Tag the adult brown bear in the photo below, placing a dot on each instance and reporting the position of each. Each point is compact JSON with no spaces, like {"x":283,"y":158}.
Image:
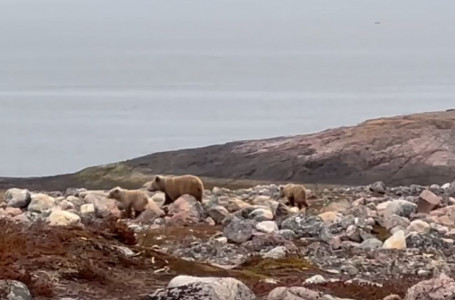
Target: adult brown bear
{"x":176,"y":186}
{"x":296,"y":194}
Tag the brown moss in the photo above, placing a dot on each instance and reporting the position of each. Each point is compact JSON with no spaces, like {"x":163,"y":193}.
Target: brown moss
{"x":363,"y":291}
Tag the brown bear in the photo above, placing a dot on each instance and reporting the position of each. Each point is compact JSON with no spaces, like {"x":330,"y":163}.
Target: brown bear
{"x":295,"y":193}
{"x":133,"y":201}
{"x":176,"y":186}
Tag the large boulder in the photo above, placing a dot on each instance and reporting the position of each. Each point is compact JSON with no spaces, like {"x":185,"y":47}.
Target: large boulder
{"x":238,"y":230}
{"x":41,"y":203}
{"x":267,"y":226}
{"x":419,"y":226}
{"x":440,"y":288}
{"x":261,"y":214}
{"x":378,"y":187}
{"x":266,"y":201}
{"x":186,"y":210}
{"x":370,"y":244}
{"x":298,"y":293}
{"x":303,"y":226}
{"x":427,"y":201}
{"x":396,"y":221}
{"x":199,"y":288}
{"x":60,"y":217}
{"x":104,"y":207}
{"x":18,"y":198}
{"x":396,"y":241}
{"x":236,"y":204}
{"x":424,"y":242}
{"x":218,"y":213}
{"x":401,"y":208}
{"x":14,"y":290}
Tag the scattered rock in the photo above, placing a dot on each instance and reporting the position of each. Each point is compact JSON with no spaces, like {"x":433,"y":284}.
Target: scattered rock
{"x":88,"y":211}
{"x":66,"y":205}
{"x":347,"y":221}
{"x":287,"y":234}
{"x":293,"y":293}
{"x":186,"y":209}
{"x":267,"y":226}
{"x":104,"y":207}
{"x":395,"y":221}
{"x":396,"y":241}
{"x":276,"y":253}
{"x":60,"y":217}
{"x":41,"y":203}
{"x":12,"y":211}
{"x":303,"y":226}
{"x":316,"y":279}
{"x":337,"y":206}
{"x":238,"y":230}
{"x":22,"y":218}
{"x":424,"y":241}
{"x":353,"y":233}
{"x":445,"y":186}
{"x":401,"y":208}
{"x":14,"y":290}
{"x":261,"y":214}
{"x":419,"y":226}
{"x":371,"y":244}
{"x":218,"y":213}
{"x":440,"y":288}
{"x":266,"y":201}
{"x":329,"y":217}
{"x":199,"y":288}
{"x":378,"y":187}
{"x":236,"y":204}
{"x":427,"y":201}
{"x":17,"y":198}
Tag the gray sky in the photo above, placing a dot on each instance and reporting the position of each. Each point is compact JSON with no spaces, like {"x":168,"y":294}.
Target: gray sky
{"x":230,"y":44}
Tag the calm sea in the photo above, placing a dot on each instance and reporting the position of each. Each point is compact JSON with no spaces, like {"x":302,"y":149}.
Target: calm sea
{"x":86,"y":82}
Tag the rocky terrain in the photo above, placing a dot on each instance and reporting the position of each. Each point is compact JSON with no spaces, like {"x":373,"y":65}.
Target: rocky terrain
{"x":400,"y":150}
{"x":361,"y":242}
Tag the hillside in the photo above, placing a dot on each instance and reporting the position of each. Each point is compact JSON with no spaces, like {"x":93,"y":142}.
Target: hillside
{"x":401,"y":150}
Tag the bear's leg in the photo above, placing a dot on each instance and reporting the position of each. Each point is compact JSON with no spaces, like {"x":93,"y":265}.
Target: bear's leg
{"x":128,"y":210}
{"x":291,"y":201}
{"x":137,"y":213}
{"x":167,"y":199}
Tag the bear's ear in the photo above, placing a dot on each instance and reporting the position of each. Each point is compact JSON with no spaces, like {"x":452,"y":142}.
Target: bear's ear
{"x":157,"y":179}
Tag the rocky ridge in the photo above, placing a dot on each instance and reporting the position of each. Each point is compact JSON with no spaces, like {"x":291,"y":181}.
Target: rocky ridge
{"x":400,"y":150}
{"x":352,"y":243}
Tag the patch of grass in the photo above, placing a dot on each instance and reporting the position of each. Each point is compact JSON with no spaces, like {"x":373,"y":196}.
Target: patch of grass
{"x":276,"y":267}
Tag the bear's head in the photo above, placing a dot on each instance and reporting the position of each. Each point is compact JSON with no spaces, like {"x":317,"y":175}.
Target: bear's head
{"x":114,"y":193}
{"x":156,"y":185}
{"x":281,"y":191}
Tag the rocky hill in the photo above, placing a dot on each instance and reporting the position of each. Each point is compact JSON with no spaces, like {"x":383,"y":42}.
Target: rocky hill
{"x":401,"y":150}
